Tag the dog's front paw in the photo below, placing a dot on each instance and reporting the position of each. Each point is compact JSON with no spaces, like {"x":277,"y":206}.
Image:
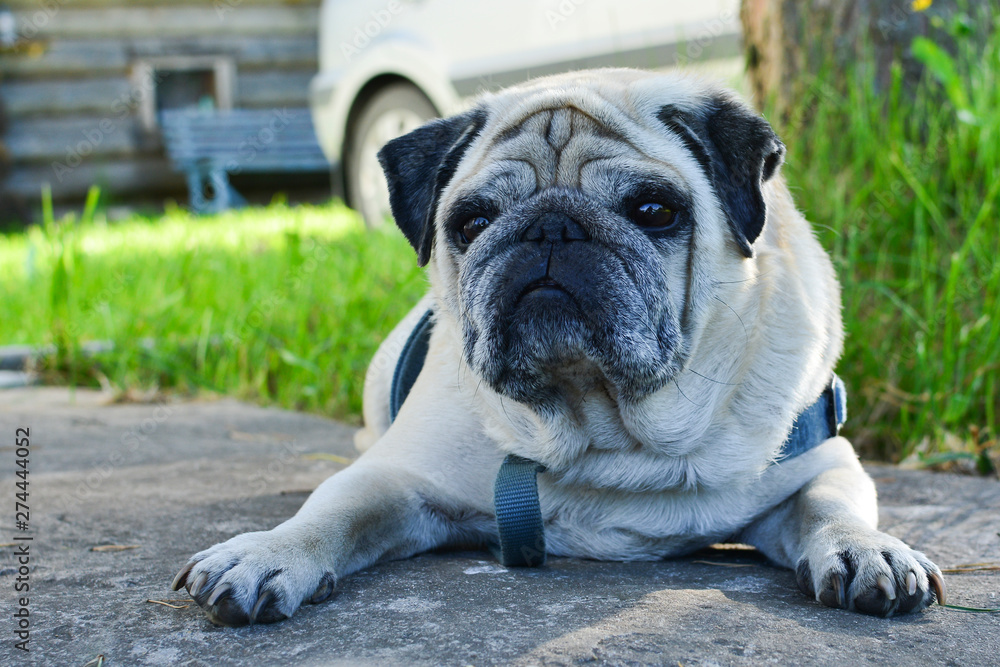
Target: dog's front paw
{"x":868,"y":571}
{"x":257,"y":577}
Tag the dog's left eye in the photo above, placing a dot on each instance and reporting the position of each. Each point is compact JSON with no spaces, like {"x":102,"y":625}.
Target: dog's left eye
{"x":654,"y":217}
{"x":473,"y":228}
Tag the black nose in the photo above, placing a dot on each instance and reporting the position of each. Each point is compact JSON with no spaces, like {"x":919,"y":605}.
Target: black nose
{"x":552,"y":226}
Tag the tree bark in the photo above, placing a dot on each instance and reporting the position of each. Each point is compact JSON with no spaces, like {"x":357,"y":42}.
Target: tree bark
{"x":786,"y":41}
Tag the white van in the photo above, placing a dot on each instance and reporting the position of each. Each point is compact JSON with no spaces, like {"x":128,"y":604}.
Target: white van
{"x":387,"y":66}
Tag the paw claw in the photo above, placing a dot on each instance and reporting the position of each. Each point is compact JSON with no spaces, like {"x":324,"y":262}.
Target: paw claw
{"x":227,"y":612}
{"x":220,"y":590}
{"x":937,"y":583}
{"x":195,"y":587}
{"x":872,"y":573}
{"x":266,"y":609}
{"x":324,"y":590}
{"x":264,"y":598}
{"x":182,"y":576}
{"x":260,"y":577}
{"x":885,"y":584}
{"x":803,"y":577}
{"x":834,"y":595}
{"x":876,"y":600}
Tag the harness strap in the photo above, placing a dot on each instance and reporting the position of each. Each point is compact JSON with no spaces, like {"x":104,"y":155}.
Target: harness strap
{"x":519,"y":515}
{"x":819,"y":421}
{"x":411,"y":360}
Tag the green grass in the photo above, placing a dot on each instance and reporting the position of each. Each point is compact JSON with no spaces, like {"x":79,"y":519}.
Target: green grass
{"x":281,"y":305}
{"x":286,"y":305}
{"x":905,"y":193}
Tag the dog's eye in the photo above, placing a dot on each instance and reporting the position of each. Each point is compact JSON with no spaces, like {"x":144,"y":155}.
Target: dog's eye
{"x":654,"y":217}
{"x":473,"y":228}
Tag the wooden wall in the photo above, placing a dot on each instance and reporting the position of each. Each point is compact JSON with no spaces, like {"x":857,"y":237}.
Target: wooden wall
{"x":73,"y":100}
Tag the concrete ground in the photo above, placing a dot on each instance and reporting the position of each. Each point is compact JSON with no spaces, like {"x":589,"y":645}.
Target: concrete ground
{"x":169,"y":480}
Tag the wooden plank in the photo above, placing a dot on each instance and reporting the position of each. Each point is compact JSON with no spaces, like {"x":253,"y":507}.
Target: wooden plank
{"x":97,"y":57}
{"x":106,"y":57}
{"x":90,"y":4}
{"x":120,"y":176}
{"x":73,"y":139}
{"x":43,"y":97}
{"x":299,"y":52}
{"x":273,"y":89}
{"x":170,"y":20}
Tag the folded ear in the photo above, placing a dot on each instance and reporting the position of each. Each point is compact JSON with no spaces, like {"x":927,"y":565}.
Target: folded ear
{"x":739,"y":152}
{"x":418,"y":166}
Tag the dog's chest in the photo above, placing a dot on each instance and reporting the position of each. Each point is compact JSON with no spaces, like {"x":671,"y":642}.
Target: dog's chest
{"x":610,"y":524}
{"x":620,"y":493}
{"x":630,"y":451}
{"x":631,"y":503}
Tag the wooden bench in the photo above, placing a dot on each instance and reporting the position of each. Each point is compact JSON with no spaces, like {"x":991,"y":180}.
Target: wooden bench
{"x":209,"y":146}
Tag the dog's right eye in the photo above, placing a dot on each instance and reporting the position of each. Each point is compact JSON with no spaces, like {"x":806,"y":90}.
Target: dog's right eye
{"x":654,"y":217}
{"x":472,"y":228}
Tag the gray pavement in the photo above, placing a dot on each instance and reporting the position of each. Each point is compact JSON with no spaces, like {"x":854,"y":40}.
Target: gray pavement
{"x":171,"y":479}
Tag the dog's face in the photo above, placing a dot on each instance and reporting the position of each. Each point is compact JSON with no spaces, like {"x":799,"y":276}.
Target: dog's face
{"x":578,"y":224}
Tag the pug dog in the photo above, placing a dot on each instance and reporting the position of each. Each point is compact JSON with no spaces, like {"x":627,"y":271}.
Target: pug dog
{"x":624,"y":297}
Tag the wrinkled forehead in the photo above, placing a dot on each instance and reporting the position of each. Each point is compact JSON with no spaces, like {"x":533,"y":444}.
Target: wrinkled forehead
{"x":544,"y":137}
{"x":552,"y":147}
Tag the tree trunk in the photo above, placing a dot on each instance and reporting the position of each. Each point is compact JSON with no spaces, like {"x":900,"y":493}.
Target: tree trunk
{"x":786,"y":41}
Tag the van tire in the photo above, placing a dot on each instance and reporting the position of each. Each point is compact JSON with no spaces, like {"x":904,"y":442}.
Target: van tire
{"x":390,"y":112}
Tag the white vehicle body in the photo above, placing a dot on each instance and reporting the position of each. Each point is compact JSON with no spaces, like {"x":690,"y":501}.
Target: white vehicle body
{"x":450,"y":50}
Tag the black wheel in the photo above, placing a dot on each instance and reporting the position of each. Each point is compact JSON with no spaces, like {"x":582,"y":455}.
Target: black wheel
{"x":392,"y":111}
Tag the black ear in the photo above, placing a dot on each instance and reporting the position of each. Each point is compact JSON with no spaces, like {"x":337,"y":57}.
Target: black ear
{"x":418,"y":166}
{"x":739,"y":152}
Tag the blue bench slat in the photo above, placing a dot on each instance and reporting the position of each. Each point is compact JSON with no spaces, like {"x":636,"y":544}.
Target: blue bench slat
{"x":207,"y":145}
{"x":236,"y":157}
{"x":249,"y":154}
{"x":260,"y":165}
{"x":240,"y":132}
{"x":224,"y":143}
